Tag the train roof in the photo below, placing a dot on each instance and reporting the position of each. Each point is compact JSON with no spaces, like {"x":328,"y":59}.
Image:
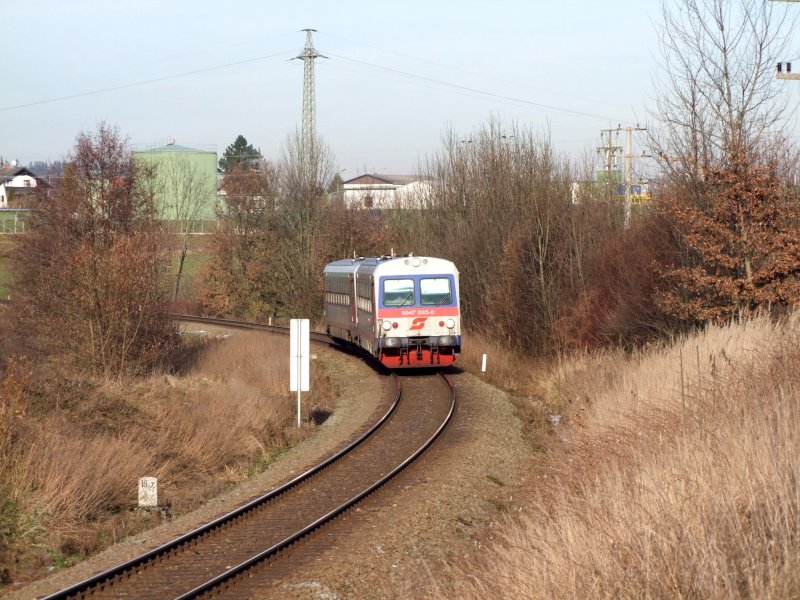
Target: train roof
{"x":391,"y":264}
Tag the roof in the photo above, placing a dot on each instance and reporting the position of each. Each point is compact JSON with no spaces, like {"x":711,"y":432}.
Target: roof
{"x":376,"y":178}
{"x":399,"y":264}
{"x":8,"y":173}
{"x":174,"y":148}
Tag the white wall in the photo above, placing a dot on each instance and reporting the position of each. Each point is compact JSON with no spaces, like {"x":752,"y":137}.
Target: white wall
{"x":22,"y":181}
{"x":384,"y":195}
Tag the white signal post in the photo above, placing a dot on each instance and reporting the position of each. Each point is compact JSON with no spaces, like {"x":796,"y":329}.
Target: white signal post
{"x":299,"y":351}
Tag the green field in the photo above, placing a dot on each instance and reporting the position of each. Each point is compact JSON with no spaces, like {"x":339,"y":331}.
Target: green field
{"x":5,"y":266}
{"x":194,"y":259}
{"x":12,"y":221}
{"x":5,"y":279}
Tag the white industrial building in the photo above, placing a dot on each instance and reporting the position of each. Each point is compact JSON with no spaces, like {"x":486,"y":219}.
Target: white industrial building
{"x":384,"y":191}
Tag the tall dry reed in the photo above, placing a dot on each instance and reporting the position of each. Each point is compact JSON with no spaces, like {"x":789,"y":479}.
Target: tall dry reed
{"x":503,"y":366}
{"x":679,"y":477}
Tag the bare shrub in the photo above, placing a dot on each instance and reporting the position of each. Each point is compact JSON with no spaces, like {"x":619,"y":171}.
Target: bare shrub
{"x":622,"y":277}
{"x":238,"y":279}
{"x":278,"y":231}
{"x":501,"y":209}
{"x":13,"y":403}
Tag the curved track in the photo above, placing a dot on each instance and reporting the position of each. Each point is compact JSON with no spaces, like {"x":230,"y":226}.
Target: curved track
{"x":235,"y":550}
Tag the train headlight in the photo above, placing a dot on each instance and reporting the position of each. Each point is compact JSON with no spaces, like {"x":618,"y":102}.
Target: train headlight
{"x":450,"y":323}
{"x":386,"y":325}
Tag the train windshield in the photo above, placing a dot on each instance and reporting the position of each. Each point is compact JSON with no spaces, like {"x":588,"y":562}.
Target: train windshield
{"x":398,"y":292}
{"x":435,"y":291}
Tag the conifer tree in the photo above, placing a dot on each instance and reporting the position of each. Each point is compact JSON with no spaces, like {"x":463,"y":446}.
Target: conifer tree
{"x":240,"y":152}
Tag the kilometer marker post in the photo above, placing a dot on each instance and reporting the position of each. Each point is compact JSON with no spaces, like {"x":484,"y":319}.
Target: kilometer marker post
{"x":299,"y":352}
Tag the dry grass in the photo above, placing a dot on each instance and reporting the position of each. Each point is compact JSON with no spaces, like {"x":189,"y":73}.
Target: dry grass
{"x":71,"y":471}
{"x":503,"y":366}
{"x":678,"y":477}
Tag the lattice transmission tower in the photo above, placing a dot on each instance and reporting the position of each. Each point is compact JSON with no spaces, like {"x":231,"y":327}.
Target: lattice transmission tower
{"x":308,"y":130}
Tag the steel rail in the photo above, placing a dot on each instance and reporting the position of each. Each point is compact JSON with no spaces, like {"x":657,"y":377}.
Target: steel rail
{"x":228,"y":575}
{"x":107,"y":575}
{"x":316,"y":336}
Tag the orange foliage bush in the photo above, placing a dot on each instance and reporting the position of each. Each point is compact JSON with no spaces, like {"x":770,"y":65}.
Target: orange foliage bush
{"x":740,"y":238}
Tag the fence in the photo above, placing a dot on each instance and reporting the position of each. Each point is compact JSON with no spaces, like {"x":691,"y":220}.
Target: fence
{"x":12,"y":220}
{"x":190,"y":227}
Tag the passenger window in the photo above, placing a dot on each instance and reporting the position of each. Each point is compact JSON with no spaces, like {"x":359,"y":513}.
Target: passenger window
{"x":398,"y":292}
{"x":435,"y":291}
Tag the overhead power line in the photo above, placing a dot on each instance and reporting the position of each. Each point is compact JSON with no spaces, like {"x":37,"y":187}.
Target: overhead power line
{"x":145,"y":82}
{"x":479,"y":91}
{"x":470,"y":72}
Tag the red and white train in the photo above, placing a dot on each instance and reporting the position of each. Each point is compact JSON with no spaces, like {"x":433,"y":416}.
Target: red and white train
{"x":404,"y":310}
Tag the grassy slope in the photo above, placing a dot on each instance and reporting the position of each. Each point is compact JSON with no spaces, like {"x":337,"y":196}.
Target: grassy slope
{"x":194,"y":259}
{"x":65,"y":493}
{"x":677,"y":474}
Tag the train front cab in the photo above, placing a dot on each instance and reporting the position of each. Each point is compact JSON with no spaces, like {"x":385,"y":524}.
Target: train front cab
{"x":418,"y":320}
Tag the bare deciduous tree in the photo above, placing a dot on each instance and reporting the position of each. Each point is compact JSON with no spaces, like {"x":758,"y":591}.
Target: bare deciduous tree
{"x":87,"y":276}
{"x":716,"y":94}
{"x":501,"y":208}
{"x":303,"y":201}
{"x":238,"y":276}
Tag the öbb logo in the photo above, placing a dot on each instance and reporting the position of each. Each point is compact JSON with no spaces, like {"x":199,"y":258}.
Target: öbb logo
{"x":418,"y":323}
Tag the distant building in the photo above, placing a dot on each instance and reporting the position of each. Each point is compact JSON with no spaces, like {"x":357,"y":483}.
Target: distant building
{"x":17,"y":186}
{"x":384,"y":191}
{"x":202,"y":164}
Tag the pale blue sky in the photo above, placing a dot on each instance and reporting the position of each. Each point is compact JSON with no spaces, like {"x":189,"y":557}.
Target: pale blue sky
{"x":397,"y":75}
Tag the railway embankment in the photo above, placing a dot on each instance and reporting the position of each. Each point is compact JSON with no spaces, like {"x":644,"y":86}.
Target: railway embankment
{"x":432,"y":514}
{"x":675,"y":475}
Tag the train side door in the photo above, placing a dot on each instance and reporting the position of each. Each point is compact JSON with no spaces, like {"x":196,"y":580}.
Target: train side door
{"x":354,"y":301}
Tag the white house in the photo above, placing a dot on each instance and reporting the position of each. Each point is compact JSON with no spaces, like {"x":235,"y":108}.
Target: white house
{"x":16,"y":185}
{"x":384,"y":191}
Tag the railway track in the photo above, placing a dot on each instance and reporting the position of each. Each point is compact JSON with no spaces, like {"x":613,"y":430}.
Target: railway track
{"x":240,"y":552}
